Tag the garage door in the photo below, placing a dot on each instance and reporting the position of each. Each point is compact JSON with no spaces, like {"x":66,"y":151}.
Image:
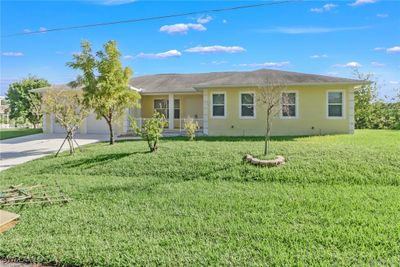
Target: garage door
{"x":58,"y":128}
{"x":95,"y":126}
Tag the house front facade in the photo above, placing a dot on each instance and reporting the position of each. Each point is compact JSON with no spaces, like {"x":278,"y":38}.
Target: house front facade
{"x":226,"y":104}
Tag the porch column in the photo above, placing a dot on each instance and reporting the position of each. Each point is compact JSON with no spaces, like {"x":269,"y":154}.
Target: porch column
{"x":171,"y":111}
{"x":52,"y":123}
{"x":205,"y":111}
{"x":44,"y":124}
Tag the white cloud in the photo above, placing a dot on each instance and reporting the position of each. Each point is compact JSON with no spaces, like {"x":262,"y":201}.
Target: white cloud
{"x":182,"y":28}
{"x":216,"y":49}
{"x":167,"y":54}
{"x":352,"y":64}
{"x":394,"y":82}
{"x":117,"y":2}
{"x":224,"y":21}
{"x":379,"y":48}
{"x":128,"y":57}
{"x":377,"y":64}
{"x":204,"y":19}
{"x":382,"y":16}
{"x":219,"y":62}
{"x":310,"y":29}
{"x":395,"y":49}
{"x":12,"y":54}
{"x":319,"y":56}
{"x":324,"y":8}
{"x":43,"y":29}
{"x":331,"y":73}
{"x":362,"y":2}
{"x":266,"y":64}
{"x":27,"y":31}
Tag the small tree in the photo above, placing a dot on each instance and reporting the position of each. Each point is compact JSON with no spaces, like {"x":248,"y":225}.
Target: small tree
{"x":364,"y":98}
{"x":191,"y":127}
{"x":24,"y":103}
{"x":105,"y":83}
{"x":152,"y":130}
{"x":69,"y":112}
{"x":269,"y":96}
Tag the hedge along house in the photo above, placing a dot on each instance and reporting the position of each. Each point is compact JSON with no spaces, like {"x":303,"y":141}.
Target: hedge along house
{"x":225,"y":103}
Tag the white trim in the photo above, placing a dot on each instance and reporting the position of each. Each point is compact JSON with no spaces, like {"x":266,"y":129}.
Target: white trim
{"x":212,"y":104}
{"x":205,"y":111}
{"x":171,"y":110}
{"x":240,"y":105}
{"x":296,"y":92}
{"x":343,"y":104}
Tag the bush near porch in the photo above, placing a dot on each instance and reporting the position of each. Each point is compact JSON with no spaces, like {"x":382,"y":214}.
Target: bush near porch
{"x":336,"y":201}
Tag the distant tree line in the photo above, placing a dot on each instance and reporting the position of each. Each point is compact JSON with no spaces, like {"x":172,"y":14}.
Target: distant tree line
{"x":372,"y":112}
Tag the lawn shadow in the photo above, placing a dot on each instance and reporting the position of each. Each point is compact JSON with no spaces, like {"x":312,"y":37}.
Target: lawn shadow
{"x":99,"y":159}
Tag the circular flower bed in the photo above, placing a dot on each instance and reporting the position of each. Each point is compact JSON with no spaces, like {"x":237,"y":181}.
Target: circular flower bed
{"x":279,"y":160}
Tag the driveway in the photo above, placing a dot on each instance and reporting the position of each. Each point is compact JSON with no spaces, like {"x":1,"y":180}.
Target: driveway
{"x":22,"y":149}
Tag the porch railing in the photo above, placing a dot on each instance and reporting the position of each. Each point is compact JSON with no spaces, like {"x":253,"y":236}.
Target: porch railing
{"x":179,"y":124}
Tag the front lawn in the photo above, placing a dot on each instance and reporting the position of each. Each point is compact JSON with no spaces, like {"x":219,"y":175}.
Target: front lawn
{"x":336,"y":202}
{"x":8,"y":133}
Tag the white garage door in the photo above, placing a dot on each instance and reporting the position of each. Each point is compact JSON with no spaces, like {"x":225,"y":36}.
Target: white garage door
{"x":58,"y":128}
{"x":95,"y":126}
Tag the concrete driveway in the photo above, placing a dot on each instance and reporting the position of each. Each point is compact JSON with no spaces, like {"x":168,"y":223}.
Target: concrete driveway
{"x":22,"y":149}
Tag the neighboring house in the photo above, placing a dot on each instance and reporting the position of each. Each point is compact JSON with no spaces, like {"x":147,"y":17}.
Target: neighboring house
{"x":224,"y":103}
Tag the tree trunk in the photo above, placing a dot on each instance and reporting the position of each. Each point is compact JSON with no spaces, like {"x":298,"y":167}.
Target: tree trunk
{"x":267,"y":135}
{"x":111,"y":132}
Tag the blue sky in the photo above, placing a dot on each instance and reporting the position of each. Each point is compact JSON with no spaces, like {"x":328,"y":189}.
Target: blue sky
{"x":321,"y":37}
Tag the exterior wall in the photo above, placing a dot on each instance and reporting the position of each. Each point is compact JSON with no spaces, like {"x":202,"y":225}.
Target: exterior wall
{"x":312,"y":117}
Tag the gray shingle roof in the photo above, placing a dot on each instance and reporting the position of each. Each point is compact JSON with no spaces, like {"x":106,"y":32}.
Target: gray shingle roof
{"x":163,"y":83}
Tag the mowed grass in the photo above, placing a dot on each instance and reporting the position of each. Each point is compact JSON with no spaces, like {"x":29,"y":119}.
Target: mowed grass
{"x":8,"y":133}
{"x":336,"y":202}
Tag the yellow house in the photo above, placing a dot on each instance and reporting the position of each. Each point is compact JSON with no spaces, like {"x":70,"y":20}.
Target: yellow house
{"x":226,"y":103}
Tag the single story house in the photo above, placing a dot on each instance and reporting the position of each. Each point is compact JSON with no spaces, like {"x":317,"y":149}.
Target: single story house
{"x":225,"y":103}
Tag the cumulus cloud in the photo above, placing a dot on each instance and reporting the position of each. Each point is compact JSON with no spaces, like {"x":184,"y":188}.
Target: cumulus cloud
{"x":266,"y":64}
{"x":204,"y":19}
{"x":27,"y":31}
{"x":392,"y":50}
{"x":324,"y":8}
{"x":167,"y":54}
{"x":319,"y":56}
{"x":12,"y":54}
{"x":43,"y":29}
{"x":362,"y":2}
{"x":216,"y":49}
{"x":310,"y":29}
{"x":377,"y":64}
{"x":182,"y":28}
{"x":379,"y":48}
{"x":352,"y":64}
{"x":219,"y":62}
{"x":128,"y":57}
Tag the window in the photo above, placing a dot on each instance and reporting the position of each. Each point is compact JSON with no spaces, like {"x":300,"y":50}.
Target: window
{"x":335,"y":104}
{"x":289,"y":100}
{"x":218,"y":105}
{"x":177,"y":108}
{"x":247,"y":108}
{"x":161,"y":106}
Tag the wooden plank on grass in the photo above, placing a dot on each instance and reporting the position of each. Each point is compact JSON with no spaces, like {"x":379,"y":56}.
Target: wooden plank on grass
{"x":7,"y":220}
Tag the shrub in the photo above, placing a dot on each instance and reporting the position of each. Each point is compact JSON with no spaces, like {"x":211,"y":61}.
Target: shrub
{"x":191,"y":127}
{"x":152,"y":130}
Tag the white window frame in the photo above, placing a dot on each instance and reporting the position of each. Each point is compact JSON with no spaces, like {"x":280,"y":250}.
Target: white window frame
{"x":212,"y":105}
{"x":296,"y":105}
{"x":343,"y":105}
{"x":167,"y":108}
{"x":240,"y":104}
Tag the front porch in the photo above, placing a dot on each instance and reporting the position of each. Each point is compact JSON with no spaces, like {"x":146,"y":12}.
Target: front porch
{"x":177,"y":109}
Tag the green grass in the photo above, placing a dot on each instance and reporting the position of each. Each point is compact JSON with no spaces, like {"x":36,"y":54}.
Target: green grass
{"x":336,"y":202}
{"x":16,"y":132}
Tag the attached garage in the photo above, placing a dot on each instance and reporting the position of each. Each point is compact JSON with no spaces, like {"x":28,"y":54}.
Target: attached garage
{"x":95,"y":126}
